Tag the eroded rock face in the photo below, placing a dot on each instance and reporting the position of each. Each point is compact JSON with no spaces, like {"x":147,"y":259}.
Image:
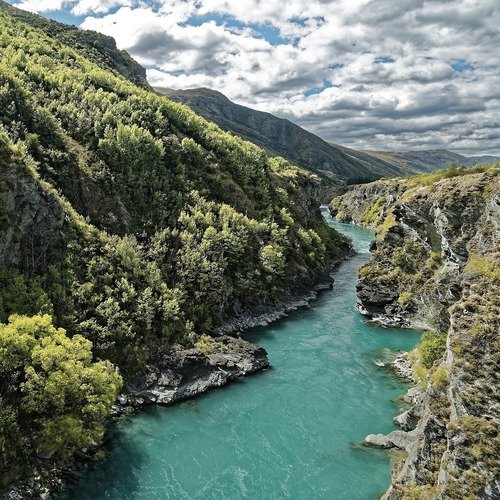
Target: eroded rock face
{"x":435,"y":266}
{"x":357,"y":204}
{"x":184,"y":373}
{"x":31,"y":219}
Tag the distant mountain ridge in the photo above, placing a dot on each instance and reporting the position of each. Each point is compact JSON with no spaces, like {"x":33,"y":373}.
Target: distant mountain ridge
{"x":428,"y":160}
{"x":284,"y":138}
{"x":280,"y":137}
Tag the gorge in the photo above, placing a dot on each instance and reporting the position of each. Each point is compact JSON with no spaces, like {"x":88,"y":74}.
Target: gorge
{"x":149,"y":254}
{"x":293,"y":431}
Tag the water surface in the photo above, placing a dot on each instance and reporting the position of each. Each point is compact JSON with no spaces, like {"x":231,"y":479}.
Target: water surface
{"x":290,"y":432}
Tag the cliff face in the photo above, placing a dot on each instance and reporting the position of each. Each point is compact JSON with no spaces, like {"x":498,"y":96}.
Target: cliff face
{"x":435,"y":266}
{"x":31,"y":219}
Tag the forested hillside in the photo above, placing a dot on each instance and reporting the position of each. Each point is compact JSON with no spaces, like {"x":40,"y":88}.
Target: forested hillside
{"x":93,"y":45}
{"x":278,"y":136}
{"x":131,"y":223}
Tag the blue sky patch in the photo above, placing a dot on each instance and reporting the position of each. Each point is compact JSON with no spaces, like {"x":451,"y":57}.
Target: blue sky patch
{"x":266,"y":31}
{"x":65,"y":17}
{"x":335,"y":66}
{"x":317,"y":90}
{"x":384,"y":59}
{"x":301,"y":21}
{"x":461,"y":65}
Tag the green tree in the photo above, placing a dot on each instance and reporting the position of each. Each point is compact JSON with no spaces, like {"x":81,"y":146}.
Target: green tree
{"x":63,"y":395}
{"x":20,"y":296}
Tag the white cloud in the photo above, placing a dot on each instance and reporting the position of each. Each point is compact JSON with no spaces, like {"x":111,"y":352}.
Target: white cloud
{"x":83,"y":7}
{"x":41,"y":5}
{"x":390,"y":62}
{"x":77,"y":7}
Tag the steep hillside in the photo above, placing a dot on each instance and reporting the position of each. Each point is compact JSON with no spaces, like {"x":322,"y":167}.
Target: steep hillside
{"x":93,"y":45}
{"x":128,"y":224}
{"x":435,"y":266}
{"x":283,"y":138}
{"x":277,"y":136}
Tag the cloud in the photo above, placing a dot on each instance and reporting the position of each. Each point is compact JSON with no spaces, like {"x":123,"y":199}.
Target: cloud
{"x":406,"y":74}
{"x":77,"y":7}
{"x":41,"y":5}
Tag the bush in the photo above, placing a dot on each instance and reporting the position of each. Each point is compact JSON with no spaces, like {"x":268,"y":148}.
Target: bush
{"x":372,"y":213}
{"x":405,"y":298}
{"x":204,"y":344}
{"x":432,"y":347}
{"x":54,"y":398}
{"x":19,"y":295}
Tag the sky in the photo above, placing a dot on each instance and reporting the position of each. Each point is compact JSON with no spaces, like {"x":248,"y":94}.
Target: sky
{"x":369,"y":74}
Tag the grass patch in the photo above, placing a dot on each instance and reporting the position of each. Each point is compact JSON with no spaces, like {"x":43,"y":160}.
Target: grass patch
{"x":483,"y":265}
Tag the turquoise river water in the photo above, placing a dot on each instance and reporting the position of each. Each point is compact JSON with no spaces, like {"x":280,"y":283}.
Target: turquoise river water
{"x":291,"y":432}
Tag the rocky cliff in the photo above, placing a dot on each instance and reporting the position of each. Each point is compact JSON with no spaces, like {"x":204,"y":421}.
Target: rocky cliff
{"x":31,"y":218}
{"x":435,"y":266}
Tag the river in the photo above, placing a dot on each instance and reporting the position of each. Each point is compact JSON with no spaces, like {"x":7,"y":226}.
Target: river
{"x":291,"y":432}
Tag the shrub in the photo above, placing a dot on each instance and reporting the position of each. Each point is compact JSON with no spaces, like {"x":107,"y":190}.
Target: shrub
{"x":432,"y":347}
{"x":440,"y":376}
{"x":19,"y":295}
{"x":54,"y":398}
{"x":371,"y":214}
{"x":404,"y":298}
{"x":387,"y":224}
{"x":205,"y":344}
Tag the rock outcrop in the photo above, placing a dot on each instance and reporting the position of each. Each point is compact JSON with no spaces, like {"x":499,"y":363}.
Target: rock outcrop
{"x":182,"y":373}
{"x":31,"y":218}
{"x":435,"y":266}
{"x":366,"y":204}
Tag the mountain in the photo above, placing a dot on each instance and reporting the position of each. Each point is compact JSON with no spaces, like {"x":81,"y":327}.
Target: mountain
{"x":484,"y":159}
{"x":276,"y":135}
{"x":382,"y":166}
{"x":130,"y":229}
{"x":284,"y":138}
{"x":427,"y":160}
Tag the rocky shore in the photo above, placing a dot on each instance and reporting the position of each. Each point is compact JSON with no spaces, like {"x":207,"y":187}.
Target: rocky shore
{"x":178,"y":374}
{"x":434,"y":266}
{"x":182,"y":373}
{"x":306,"y":289}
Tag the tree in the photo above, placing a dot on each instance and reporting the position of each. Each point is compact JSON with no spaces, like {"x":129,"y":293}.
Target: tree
{"x":62,"y":395}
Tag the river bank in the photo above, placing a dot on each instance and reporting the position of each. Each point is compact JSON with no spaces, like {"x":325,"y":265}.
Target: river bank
{"x":306,"y":417}
{"x":435,"y":265}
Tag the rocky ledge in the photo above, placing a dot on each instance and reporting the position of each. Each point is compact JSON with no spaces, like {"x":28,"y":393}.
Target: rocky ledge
{"x":435,"y":266}
{"x":183,"y":373}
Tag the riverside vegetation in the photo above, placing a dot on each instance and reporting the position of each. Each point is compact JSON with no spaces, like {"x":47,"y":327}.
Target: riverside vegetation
{"x":435,"y":266}
{"x":128,"y":224}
